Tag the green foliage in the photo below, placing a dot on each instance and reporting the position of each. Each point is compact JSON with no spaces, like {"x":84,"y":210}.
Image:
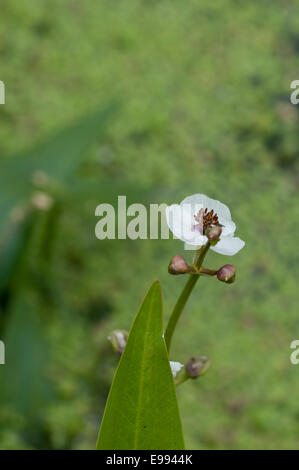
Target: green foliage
{"x":58,"y":158}
{"x":205,"y":92}
{"x":24,"y":384}
{"x":13,"y":248}
{"x":26,"y":286}
{"x":142,"y":411}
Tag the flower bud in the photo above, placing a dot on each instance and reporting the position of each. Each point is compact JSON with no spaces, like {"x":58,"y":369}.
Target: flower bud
{"x":178,"y":265}
{"x":213,"y":233}
{"x":197,"y":366}
{"x":193,"y":369}
{"x":227,"y":273}
{"x":118,"y":339}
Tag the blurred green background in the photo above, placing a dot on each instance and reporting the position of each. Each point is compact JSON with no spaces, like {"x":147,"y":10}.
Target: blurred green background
{"x":180,"y":97}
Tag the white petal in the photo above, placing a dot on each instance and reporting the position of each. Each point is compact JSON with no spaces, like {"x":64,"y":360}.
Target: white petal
{"x":196,"y":201}
{"x":180,"y":220}
{"x":196,"y":240}
{"x":188,"y":246}
{"x":221,"y":209}
{"x":175,"y":367}
{"x":228,"y":246}
{"x":218,"y":207}
{"x":228,"y":227}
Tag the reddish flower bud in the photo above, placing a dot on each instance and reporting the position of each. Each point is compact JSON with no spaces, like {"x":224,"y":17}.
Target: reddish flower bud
{"x":213,"y":233}
{"x":197,"y":366}
{"x":178,"y":265}
{"x":227,"y":273}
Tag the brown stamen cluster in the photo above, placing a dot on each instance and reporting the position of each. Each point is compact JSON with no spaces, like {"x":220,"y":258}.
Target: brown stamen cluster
{"x":205,"y":220}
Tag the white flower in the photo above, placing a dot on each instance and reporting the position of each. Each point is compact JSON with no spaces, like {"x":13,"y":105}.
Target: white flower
{"x":175,"y":368}
{"x":189,"y":220}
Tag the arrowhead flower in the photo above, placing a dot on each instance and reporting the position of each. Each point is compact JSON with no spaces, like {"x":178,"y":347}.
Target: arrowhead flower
{"x":190,"y":220}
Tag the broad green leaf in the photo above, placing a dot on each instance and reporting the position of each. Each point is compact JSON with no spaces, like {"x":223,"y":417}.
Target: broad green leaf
{"x":23,"y":380}
{"x":142,"y":411}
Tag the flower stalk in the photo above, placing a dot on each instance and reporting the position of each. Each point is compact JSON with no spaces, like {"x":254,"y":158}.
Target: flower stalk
{"x":182,"y":300}
{"x":208,"y":272}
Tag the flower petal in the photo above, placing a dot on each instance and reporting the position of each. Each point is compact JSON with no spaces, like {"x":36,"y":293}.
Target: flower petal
{"x":175,"y":367}
{"x":228,"y":227}
{"x":180,"y":219}
{"x":228,"y":246}
{"x":181,"y":222}
{"x":196,"y":201}
{"x":221,"y":209}
{"x":218,"y":207}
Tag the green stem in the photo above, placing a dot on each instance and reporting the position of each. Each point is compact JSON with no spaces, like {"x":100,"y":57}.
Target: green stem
{"x":208,"y":272}
{"x":182,"y":300}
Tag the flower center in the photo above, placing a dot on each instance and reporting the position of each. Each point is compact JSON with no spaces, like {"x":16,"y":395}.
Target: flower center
{"x":205,"y":219}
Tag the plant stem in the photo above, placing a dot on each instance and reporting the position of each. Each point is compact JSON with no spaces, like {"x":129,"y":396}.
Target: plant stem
{"x":182,"y":300}
{"x":208,"y":272}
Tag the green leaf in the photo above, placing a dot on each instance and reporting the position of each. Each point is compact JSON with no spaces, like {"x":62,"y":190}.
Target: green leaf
{"x":24,"y":384}
{"x":142,"y":411}
{"x":59,"y":157}
{"x":13,"y":247}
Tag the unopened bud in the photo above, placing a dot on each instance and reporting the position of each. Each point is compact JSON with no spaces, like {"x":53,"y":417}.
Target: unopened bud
{"x":197,"y":366}
{"x":118,"y":339}
{"x":213,"y":233}
{"x":194,"y":368}
{"x":227,"y":273}
{"x":178,"y":265}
